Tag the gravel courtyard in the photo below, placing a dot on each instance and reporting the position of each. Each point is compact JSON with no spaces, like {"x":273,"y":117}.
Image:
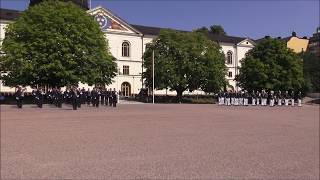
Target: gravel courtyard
{"x":146,"y":141}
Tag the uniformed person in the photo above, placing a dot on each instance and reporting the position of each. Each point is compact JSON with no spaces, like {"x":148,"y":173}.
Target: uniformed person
{"x":19,"y":94}
{"x":73,"y":96}
{"x":114,"y":98}
{"x":245,"y":98}
{"x":59,"y":98}
{"x":292,"y":98}
{"x":271,"y":98}
{"x":110,"y":97}
{"x":254,"y":98}
{"x":95,"y":97}
{"x":107,"y":94}
{"x":219,"y":98}
{"x":79,"y":93}
{"x":264,"y":97}
{"x":299,"y":97}
{"x":102,"y":95}
{"x":286,"y":98}
{"x":258,"y":98}
{"x":39,"y":97}
{"x":88,"y":97}
{"x":241,"y":98}
{"x":279,"y":98}
{"x":83,"y":96}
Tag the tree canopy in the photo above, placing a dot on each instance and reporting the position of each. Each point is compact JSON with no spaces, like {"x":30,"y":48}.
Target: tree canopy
{"x":217,"y":29}
{"x":185,"y":61}
{"x":271,"y":65}
{"x":311,"y":70}
{"x":57,"y":44}
{"x":214,"y":29}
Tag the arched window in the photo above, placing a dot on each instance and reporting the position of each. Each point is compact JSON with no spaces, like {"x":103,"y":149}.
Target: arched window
{"x":126,"y":89}
{"x":125,"y":49}
{"x":229,"y":57}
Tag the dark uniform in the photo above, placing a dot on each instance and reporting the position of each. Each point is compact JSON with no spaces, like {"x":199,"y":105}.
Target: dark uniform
{"x":88,"y":97}
{"x":95,"y":98}
{"x":73,"y":96}
{"x":39,"y":97}
{"x":19,"y":97}
{"x":299,"y":97}
{"x":103,"y":96}
{"x":110,"y":98}
{"x":254,"y":98}
{"x":114,"y":98}
{"x":59,"y":98}
{"x":79,"y":94}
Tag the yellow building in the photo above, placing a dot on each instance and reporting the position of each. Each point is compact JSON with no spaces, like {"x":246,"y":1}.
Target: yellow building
{"x":297,"y":44}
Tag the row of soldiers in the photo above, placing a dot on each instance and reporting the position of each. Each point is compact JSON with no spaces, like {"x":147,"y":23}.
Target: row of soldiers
{"x":263,"y":98}
{"x":74,"y":96}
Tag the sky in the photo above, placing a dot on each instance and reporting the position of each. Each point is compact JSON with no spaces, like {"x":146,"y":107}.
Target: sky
{"x":246,"y":18}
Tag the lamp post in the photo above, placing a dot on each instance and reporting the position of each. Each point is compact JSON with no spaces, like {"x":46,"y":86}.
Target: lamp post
{"x":133,"y":84}
{"x":118,"y":83}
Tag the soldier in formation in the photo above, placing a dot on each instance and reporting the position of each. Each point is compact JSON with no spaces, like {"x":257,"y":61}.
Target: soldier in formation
{"x":256,"y":98}
{"x":19,"y":94}
{"x":73,"y":96}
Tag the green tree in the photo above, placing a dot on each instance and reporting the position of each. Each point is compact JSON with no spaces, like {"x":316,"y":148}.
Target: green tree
{"x":271,"y":65}
{"x":57,"y":44}
{"x":185,"y":61}
{"x":203,"y":29}
{"x":311,"y":70}
{"x":217,"y":29}
{"x":214,"y":29}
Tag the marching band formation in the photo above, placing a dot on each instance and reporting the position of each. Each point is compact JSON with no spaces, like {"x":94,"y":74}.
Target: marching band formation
{"x":74,"y":96}
{"x":77,"y":97}
{"x":256,"y":98}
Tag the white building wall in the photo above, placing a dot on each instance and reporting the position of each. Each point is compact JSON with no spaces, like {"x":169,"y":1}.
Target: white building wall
{"x":134,"y":61}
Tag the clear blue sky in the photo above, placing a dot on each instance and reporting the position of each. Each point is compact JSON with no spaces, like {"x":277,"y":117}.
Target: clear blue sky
{"x":250,"y":18}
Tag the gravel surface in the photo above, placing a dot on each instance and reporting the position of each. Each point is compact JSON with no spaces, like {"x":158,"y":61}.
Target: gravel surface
{"x":146,"y":141}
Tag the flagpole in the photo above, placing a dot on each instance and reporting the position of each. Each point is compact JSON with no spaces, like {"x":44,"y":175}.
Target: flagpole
{"x":153,"y":77}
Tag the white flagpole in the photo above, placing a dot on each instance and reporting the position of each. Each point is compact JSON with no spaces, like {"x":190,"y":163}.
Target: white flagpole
{"x":153,"y":77}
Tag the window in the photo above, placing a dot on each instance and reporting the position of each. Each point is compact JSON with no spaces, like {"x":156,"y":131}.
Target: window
{"x":230,"y":74}
{"x":125,"y":70}
{"x":229,"y":57}
{"x":125,"y":49}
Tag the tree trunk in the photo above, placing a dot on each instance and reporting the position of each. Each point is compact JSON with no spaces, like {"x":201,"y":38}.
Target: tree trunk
{"x":179,"y":95}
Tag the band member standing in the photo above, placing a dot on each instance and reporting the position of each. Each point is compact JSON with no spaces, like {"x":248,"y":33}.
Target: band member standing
{"x":253,"y":103}
{"x":286,"y":98}
{"x":271,"y":98}
{"x":292,"y":98}
{"x":299,"y":97}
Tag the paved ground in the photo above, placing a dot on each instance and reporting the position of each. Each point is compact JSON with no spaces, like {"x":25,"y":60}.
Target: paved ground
{"x":160,"y":142}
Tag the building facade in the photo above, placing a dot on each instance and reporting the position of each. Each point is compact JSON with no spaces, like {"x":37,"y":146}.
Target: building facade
{"x":314,"y":42}
{"x":127,"y":43}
